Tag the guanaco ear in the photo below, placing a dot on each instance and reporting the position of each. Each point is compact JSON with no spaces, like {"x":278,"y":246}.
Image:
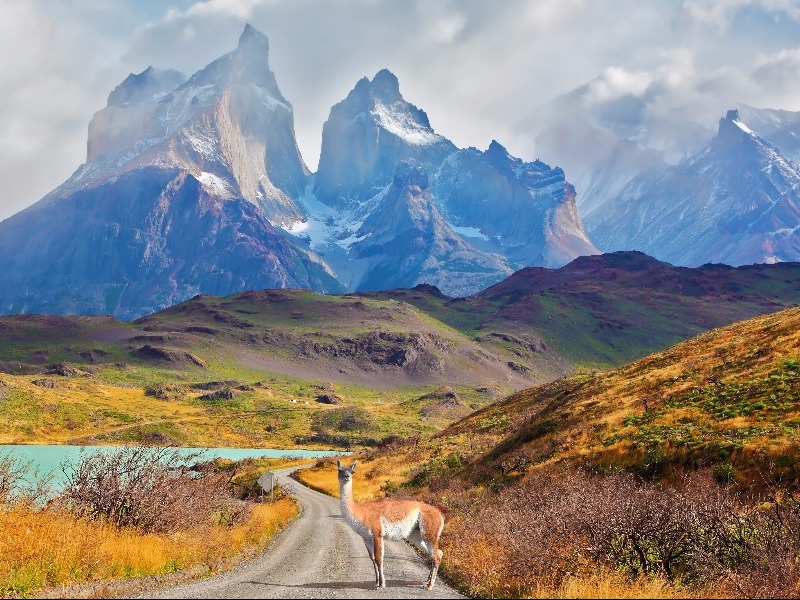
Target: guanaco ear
{"x":353,"y":468}
{"x":338,"y":464}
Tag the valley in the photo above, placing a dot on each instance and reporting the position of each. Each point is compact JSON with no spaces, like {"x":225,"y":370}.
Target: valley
{"x":293,"y":368}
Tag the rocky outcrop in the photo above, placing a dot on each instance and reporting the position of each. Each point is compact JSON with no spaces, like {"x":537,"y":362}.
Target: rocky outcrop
{"x":524,"y":211}
{"x":406,"y":241}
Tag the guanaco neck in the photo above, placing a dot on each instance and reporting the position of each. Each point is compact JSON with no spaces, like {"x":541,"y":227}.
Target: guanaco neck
{"x":346,"y":497}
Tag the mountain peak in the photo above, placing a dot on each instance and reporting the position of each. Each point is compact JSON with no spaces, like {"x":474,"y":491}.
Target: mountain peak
{"x":253,"y":40}
{"x":247,"y":64}
{"x":733,"y":123}
{"x":733,"y":133}
{"x":497,"y":156}
{"x":386,"y":83}
{"x":497,"y":149}
{"x":411,"y":174}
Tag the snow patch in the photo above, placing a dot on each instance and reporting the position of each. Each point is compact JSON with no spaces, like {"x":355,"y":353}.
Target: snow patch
{"x":403,"y":125}
{"x":743,"y":127}
{"x":214,"y":184}
{"x":324,"y":226}
{"x":203,"y":144}
{"x":271,"y":101}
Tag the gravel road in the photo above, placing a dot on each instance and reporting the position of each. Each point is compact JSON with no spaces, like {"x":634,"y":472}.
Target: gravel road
{"x":317,"y":556}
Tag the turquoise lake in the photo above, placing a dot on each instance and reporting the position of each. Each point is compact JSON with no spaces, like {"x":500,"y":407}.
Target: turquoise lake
{"x":48,"y":459}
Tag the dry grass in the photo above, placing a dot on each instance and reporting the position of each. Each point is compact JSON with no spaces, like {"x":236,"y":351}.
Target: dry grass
{"x":376,"y":475}
{"x":40,"y":549}
{"x":605,"y":584}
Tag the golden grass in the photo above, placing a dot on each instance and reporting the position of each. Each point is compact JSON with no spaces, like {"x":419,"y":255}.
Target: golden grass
{"x":40,"y":549}
{"x":373,"y":475}
{"x":614,"y":585}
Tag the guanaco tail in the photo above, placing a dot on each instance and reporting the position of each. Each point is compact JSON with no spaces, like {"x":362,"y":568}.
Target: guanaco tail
{"x":417,"y":522}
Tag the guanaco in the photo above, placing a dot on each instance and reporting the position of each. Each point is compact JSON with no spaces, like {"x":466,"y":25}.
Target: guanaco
{"x":417,"y":522}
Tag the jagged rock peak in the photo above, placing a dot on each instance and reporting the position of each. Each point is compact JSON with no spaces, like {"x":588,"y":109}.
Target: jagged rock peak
{"x":734,"y":133}
{"x":384,"y":87}
{"x":139,"y":88}
{"x":385,"y":83}
{"x":496,"y":147}
{"x":497,"y":154}
{"x":410,"y":174}
{"x":732,"y":124}
{"x":247,"y":64}
{"x":253,"y":40}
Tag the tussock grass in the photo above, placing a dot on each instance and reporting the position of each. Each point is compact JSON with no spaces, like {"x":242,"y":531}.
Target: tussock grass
{"x":49,"y":548}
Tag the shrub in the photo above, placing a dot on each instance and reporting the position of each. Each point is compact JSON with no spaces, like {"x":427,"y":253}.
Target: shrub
{"x":561,"y":525}
{"x":20,"y":483}
{"x":152,"y":488}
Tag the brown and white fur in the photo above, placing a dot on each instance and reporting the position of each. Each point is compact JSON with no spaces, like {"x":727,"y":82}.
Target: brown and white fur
{"x":417,"y":522}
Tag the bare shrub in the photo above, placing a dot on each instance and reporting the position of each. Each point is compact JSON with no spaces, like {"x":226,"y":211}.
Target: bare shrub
{"x":152,"y":488}
{"x":21,"y":483}
{"x":559,"y":524}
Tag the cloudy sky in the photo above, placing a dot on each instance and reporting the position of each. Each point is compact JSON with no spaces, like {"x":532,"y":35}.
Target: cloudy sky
{"x":481,"y":69}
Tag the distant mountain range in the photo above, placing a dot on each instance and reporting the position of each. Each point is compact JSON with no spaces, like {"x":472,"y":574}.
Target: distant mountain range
{"x":197,"y":186}
{"x":737,"y":202}
{"x":670,"y":187}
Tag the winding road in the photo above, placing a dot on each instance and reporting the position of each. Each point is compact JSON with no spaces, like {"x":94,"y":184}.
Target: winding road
{"x":317,"y":556}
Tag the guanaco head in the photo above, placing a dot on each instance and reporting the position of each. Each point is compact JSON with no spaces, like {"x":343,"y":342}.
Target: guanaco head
{"x":345,"y":473}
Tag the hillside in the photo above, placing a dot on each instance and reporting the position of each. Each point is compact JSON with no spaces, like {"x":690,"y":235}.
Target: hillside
{"x":279,"y":368}
{"x":266,"y":367}
{"x":672,"y":476}
{"x":728,"y":399}
{"x":601,"y":311}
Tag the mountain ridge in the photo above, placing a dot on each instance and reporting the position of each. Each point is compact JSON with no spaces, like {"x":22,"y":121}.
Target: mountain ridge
{"x":737,"y":202}
{"x":223,"y":140}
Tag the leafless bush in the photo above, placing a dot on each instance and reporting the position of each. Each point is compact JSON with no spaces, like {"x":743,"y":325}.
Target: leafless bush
{"x":152,"y":488}
{"x":553,"y":525}
{"x":21,"y":483}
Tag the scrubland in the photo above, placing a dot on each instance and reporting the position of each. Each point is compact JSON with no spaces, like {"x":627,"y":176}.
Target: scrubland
{"x":137,"y":511}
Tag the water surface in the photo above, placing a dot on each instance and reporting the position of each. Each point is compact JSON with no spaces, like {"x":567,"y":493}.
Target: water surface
{"x":49,"y":458}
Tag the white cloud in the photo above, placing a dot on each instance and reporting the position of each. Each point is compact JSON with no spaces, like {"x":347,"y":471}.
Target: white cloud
{"x":720,"y":13}
{"x":616,"y":82}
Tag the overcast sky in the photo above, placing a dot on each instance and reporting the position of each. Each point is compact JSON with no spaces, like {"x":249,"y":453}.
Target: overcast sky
{"x":480,"y":69}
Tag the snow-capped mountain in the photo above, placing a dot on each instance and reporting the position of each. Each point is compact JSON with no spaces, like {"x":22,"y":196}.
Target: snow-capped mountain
{"x":736,"y":202}
{"x":781,"y":128}
{"x":486,"y":213}
{"x":406,"y":241}
{"x":196,"y":185}
{"x":367,"y":135}
{"x":177,"y":198}
{"x":524,"y":211}
{"x":228,"y":125}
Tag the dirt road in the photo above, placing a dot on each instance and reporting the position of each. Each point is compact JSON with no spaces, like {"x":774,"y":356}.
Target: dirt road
{"x":318,"y":556}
